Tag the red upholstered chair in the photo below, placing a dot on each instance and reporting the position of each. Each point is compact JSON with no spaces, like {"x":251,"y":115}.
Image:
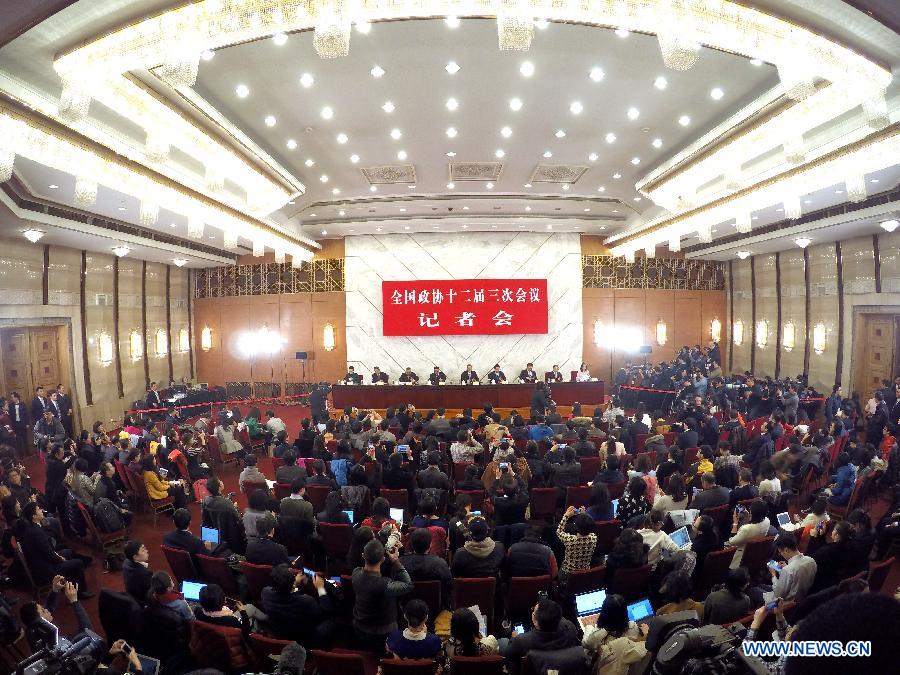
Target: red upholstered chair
{"x":257,"y":577}
{"x":477,"y":665}
{"x":277,"y":463}
{"x":283,"y":490}
{"x":757,"y":552}
{"x":523,"y":593}
{"x":631,"y":582}
{"x":878,"y":574}
{"x":669,"y":438}
{"x":166,"y":505}
{"x":589,"y":468}
{"x":344,"y":662}
{"x":844,"y":585}
{"x":607,"y":533}
{"x":100,"y":539}
{"x":181,"y":564}
{"x":263,"y":646}
{"x":428,"y":592}
{"x":398,"y":499}
{"x":543,"y":503}
{"x":459,"y":471}
{"x":252,"y":485}
{"x":690,"y":456}
{"x":573,"y":376}
{"x":219,"y":647}
{"x":721,"y":517}
{"x":477,"y":498}
{"x":640,"y":440}
{"x":408,"y":667}
{"x":331,"y":446}
{"x":216,"y":571}
{"x":481,"y":592}
{"x":336,"y":539}
{"x":715,"y":571}
{"x":36,"y":589}
{"x":216,"y":454}
{"x":616,"y":490}
{"x":582,"y":581}
{"x":578,"y":496}
{"x":317,"y":495}
{"x":124,"y":478}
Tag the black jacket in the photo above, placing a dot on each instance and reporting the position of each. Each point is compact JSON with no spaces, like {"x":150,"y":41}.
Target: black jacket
{"x":566,"y":635}
{"x":475,"y":560}
{"x":137,"y":580}
{"x":184,"y":540}
{"x":38,"y":549}
{"x":529,"y":557}
{"x":424,"y":567}
{"x":294,"y":616}
{"x":375,"y":609}
{"x":264,"y":551}
{"x":220,"y":513}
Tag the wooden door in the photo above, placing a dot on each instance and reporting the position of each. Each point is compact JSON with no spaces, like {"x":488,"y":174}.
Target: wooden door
{"x":45,"y":357}
{"x":15,"y":347}
{"x":877,"y":354}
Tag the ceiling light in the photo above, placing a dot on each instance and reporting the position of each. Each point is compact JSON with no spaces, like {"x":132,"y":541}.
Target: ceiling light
{"x":121,"y":250}
{"x":309,"y":162}
{"x":549,"y":226}
{"x":506,"y":132}
{"x":179,"y":262}
{"x":635,"y":160}
{"x":122,"y":208}
{"x":528,"y":208}
{"x":596,"y":74}
{"x":660,"y":83}
{"x":838,"y":192}
{"x":33,"y":235}
{"x":452,"y":104}
{"x":373,"y":188}
{"x":526,"y":69}
{"x":515,"y":104}
{"x":465,"y":227}
{"x":450,"y":186}
{"x":410,"y":187}
{"x":324,"y":231}
{"x":307,"y":80}
{"x":756,"y":62}
{"x":528,"y":185}
{"x":342,"y":138}
{"x":637,"y":199}
{"x":586,"y":210}
{"x":633,"y":113}
{"x":379,"y":228}
{"x":566,"y":187}
{"x":452,"y":21}
{"x":575,"y":108}
{"x":363,"y":27}
{"x":292,"y":202}
{"x":593,"y":157}
{"x":312,"y":215}
{"x":547,"y":154}
{"x":451,"y":132}
{"x":377,"y":71}
{"x":327,"y":113}
{"x":684,"y":120}
{"x":406,"y":227}
{"x":610,"y":137}
{"x":889,"y":225}
{"x":541,"y":24}
{"x":450,"y":154}
{"x":803,"y":242}
{"x":388,"y":107}
{"x":602,"y":188}
{"x":622,"y":33}
{"x":401,"y":154}
{"x":402,"y":210}
{"x":743,"y":255}
{"x":560,"y":133}
{"x":489,"y":186}
{"x":291,"y":144}
{"x":354,"y":158}
{"x":716,"y":93}
{"x":207,"y":55}
{"x":323,"y":178}
{"x":465,"y":208}
{"x":452,"y":67}
{"x":336,"y":191}
{"x":270,"y":120}
{"x":53,"y":187}
{"x":279,"y":38}
{"x":242,"y":91}
{"x":807,"y":201}
{"x":173,"y":224}
{"x":617,"y":176}
{"x":342,"y":213}
{"x":874,"y":180}
{"x":657,"y":143}
{"x":499,"y":154}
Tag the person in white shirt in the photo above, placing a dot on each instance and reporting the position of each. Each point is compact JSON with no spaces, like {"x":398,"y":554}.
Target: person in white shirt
{"x":793,"y":580}
{"x":584,"y":375}
{"x":770,"y":485}
{"x":274,"y":424}
{"x":613,"y":410}
{"x":756,"y":526}
{"x":657,"y":540}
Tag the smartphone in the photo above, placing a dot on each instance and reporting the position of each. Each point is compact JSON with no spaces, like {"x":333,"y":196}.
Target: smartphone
{"x":476,"y":513}
{"x":309,"y":572}
{"x":772,"y":564}
{"x":126,"y":649}
{"x":504,"y":466}
{"x":518,"y":629}
{"x":335,"y":581}
{"x":772,"y":605}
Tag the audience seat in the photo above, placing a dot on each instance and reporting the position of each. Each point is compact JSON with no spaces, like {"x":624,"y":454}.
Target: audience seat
{"x":482,"y":592}
{"x":336,"y":539}
{"x":101,"y":539}
{"x":250,"y":486}
{"x":216,"y":454}
{"x":408,"y":667}
{"x":844,"y":585}
{"x":690,"y":456}
{"x":181,"y":563}
{"x":165,"y":505}
{"x":878,"y":574}
{"x":721,"y":516}
{"x":477,"y":665}
{"x":344,"y":662}
{"x":757,"y":552}
{"x":317,"y":495}
{"x":477,"y":497}
{"x":277,"y":463}
{"x":398,"y":499}
{"x":631,"y":582}
{"x":543,"y":503}
{"x":257,"y":576}
{"x":578,"y":496}
{"x":589,"y":468}
{"x":522,"y":594}
{"x":459,"y":471}
{"x":430,"y":593}
{"x":216,"y":571}
{"x":640,"y":441}
{"x":582,"y":581}
{"x":219,"y":647}
{"x":120,"y":615}
{"x":715,"y":571}
{"x":607,"y":533}
{"x":283,"y":490}
{"x":616,"y":490}
{"x":264,"y":646}
{"x":36,"y":589}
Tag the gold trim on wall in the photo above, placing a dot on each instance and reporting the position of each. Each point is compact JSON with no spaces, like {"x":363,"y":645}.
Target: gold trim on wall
{"x":321,"y":275}
{"x":606,"y":271}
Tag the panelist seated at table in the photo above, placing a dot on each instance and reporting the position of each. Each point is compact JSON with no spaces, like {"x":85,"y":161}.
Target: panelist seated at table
{"x":497,"y":376}
{"x":352,"y":377}
{"x":378,"y":377}
{"x":554,"y":375}
{"x":409,"y":376}
{"x":469,"y":376}
{"x":437,"y":377}
{"x":529,"y":374}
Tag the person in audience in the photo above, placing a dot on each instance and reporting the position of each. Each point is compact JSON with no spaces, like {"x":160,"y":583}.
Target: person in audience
{"x":633,"y":503}
{"x":731,"y":602}
{"x":616,"y":641}
{"x":793,"y":580}
{"x":432,"y":477}
{"x":333,"y":512}
{"x":18,"y":487}
{"x":845,"y":478}
{"x":282,"y":447}
{"x":834,"y":559}
{"x":290,"y":470}
{"x":531,"y":557}
{"x":295,"y":505}
{"x":677,"y":590}
{"x":480,"y":556}
{"x":262,"y":549}
{"x":745,"y":489}
{"x":769,"y":485}
{"x":161,"y":489}
{"x":747,"y":525}
{"x":414,"y":641}
{"x":551,"y":632}
{"x":319,"y":476}
{"x":465,"y":640}
{"x":465,"y":449}
{"x":705,"y":463}
{"x":863,"y":539}
{"x":579,"y":547}
{"x":540,"y":431}
{"x":471,"y":481}
{"x":136,"y":570}
{"x":510,"y":499}
{"x":705,"y":539}
{"x":35,"y":616}
{"x":655,"y":539}
{"x":397,"y":477}
{"x":565,"y":474}
{"x":213,"y":610}
{"x":250,"y":473}
{"x":222,"y":514}
{"x":600,"y":506}
{"x":181,"y":537}
{"x":161,"y":590}
{"x":48,"y":429}
{"x":760,"y":449}
{"x":381,"y":516}
{"x":629,"y":551}
{"x":375,"y":606}
{"x":356,"y":493}
{"x":428,"y":516}
{"x":711,"y":494}
{"x":422,"y":566}
{"x":44,"y":561}
{"x":224,"y":433}
{"x":611,"y":474}
{"x":58,"y":463}
{"x":257,"y":508}
{"x":672,"y":497}
{"x":298,"y":607}
{"x":644,"y":470}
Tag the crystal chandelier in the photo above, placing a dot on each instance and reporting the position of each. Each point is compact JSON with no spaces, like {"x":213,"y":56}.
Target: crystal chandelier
{"x":73,"y":102}
{"x":733,"y":177}
{"x":678,"y":52}
{"x":259,"y":248}
{"x":214,"y":178}
{"x":85,"y":191}
{"x":181,"y":64}
{"x":279,"y":256}
{"x":743,"y":222}
{"x":704,"y":234}
{"x":157,"y":146}
{"x":794,"y":149}
{"x":149,"y":213}
{"x":229,"y":239}
{"x":296,"y":262}
{"x":876,"y":112}
{"x":7,"y":159}
{"x":798,"y":84}
{"x":650,"y":250}
{"x":629,"y":257}
{"x":331,"y":38}
{"x":515,"y":25}
{"x":792,"y":208}
{"x":675,"y":243}
{"x":856,"y":187}
{"x":195,"y":227}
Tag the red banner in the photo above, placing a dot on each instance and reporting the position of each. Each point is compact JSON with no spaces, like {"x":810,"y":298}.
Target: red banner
{"x":465,"y":307}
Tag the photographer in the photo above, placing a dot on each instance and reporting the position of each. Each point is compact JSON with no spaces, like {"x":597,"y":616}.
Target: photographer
{"x":36,"y":617}
{"x":375,"y":609}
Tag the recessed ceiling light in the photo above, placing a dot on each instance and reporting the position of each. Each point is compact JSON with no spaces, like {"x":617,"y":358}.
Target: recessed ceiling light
{"x":660,"y":83}
{"x":450,"y":154}
{"x":874,"y":180}
{"x":637,"y":199}
{"x":717,"y":93}
{"x":743,"y":255}
{"x":889,"y":225}
{"x":377,"y":71}
{"x":309,"y":162}
{"x":450,"y":186}
{"x":566,"y":187}
{"x":549,"y":226}
{"x":617,"y":176}
{"x":452,"y":67}
{"x":499,"y":154}
{"x":396,"y":134}
{"x":528,"y":185}
{"x":373,"y":188}
{"x":506,"y":132}
{"x":242,"y":91}
{"x":451,"y":132}
{"x":401,"y":154}
{"x":622,"y":33}
{"x":452,"y":104}
{"x":656,"y":143}
{"x":684,"y":120}
{"x":803,"y":242}
{"x":489,"y":186}
{"x":323,"y":178}
{"x":807,"y":201}
{"x":515,"y":104}
{"x":324,"y":231}
{"x":402,"y":210}
{"x":410,"y":187}
{"x":207,"y":55}
{"x":596,"y":74}
{"x":465,"y":227}
{"x":270,"y":120}
{"x":593,"y":157}
{"x":560,"y":133}
{"x":755,"y":217}
{"x":312,"y":215}
{"x":547,"y":154}
{"x":291,"y":144}
{"x":586,"y":210}
{"x":633,"y":113}
{"x":379,"y":228}
{"x":292,"y":202}
{"x":526,"y":69}
{"x":838,"y":192}
{"x":179,"y":262}
{"x":615,"y":210}
{"x":342,"y":138}
{"x":528,"y":208}
{"x":173,"y":224}
{"x":121,"y":250}
{"x":279,"y":38}
{"x":123,"y":208}
{"x":307,"y":80}
{"x":406,"y":227}
{"x":53,"y":187}
{"x":33,"y":235}
{"x":602,"y":188}
{"x":363,"y":27}
{"x":635,"y":160}
{"x":756,"y":62}
{"x":575,"y":107}
{"x":452,"y":21}
{"x":327,"y":112}
{"x":335,"y":191}
{"x":610,"y":137}
{"x":465,"y":208}
{"x":388,"y":107}
{"x":354,"y":158}
{"x":342,"y":213}
{"x":541,"y":24}
{"x":780,"y":210}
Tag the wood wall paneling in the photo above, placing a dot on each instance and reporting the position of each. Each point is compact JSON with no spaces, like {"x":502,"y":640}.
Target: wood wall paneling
{"x":117,"y":351}
{"x":839,"y":260}
{"x":598,"y":303}
{"x":807,"y":310}
{"x":82,"y":307}
{"x":172,"y":344}
{"x":45,"y":276}
{"x":778,"y":324}
{"x":752,"y":331}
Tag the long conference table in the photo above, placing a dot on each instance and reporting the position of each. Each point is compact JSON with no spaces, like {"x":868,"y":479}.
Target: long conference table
{"x":462,"y":396}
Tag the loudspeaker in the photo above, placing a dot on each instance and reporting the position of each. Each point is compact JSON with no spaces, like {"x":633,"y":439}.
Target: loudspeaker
{"x":302,"y":356}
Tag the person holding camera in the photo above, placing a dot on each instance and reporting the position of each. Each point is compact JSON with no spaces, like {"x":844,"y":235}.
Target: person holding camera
{"x":377,"y":585}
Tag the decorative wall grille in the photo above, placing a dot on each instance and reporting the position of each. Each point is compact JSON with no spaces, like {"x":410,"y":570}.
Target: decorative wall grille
{"x":604,"y":271}
{"x":315,"y":276}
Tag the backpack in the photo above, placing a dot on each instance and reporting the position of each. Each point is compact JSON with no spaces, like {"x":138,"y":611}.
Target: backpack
{"x":107,"y":517}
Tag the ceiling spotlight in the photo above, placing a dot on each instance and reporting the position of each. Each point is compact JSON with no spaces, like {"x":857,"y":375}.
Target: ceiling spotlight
{"x":242,"y":91}
{"x":610,"y":137}
{"x":515,"y":104}
{"x":528,"y":185}
{"x":602,"y":188}
{"x":336,"y":191}
{"x":586,"y":210}
{"x":327,"y":113}
{"x":657,"y":143}
{"x":179,"y":262}
{"x":324,"y":232}
{"x":566,"y":187}
{"x":53,"y":187}
{"x":342,"y":213}
{"x":377,"y":71}
{"x":575,"y":108}
{"x":874,"y":180}
{"x":633,"y":113}
{"x":450,"y":154}
{"x":396,"y":134}
{"x":716,"y":93}
{"x":173,"y":224}
{"x":637,"y":199}
{"x":547,"y":154}
{"x":803,"y":242}
{"x":465,"y":208}
{"x":549,"y":226}
{"x":354,"y":158}
{"x":660,"y":83}
{"x":406,"y":227}
{"x":526,"y":69}
{"x":499,"y":154}
{"x":279,"y":38}
{"x":342,"y":138}
{"x":307,"y":80}
{"x":756,"y":62}
{"x":489,"y":186}
{"x":452,"y":104}
{"x":270,"y":120}
{"x":635,"y":160}
{"x":410,"y":187}
{"x":807,"y":201}
{"x":560,"y":133}
{"x":743,"y":255}
{"x":528,"y":208}
{"x":388,"y":107}
{"x":450,"y":186}
{"x":122,"y":208}
{"x":121,"y":250}
{"x":451,"y":132}
{"x":889,"y":225}
{"x":207,"y":55}
{"x":596,"y":74}
{"x":33,"y":235}
{"x":309,"y":162}
{"x":373,"y":188}
{"x":593,"y":157}
{"x":401,"y":154}
{"x":684,"y":120}
{"x":452,"y":67}
{"x":452,"y":21}
{"x":622,"y":33}
{"x":291,"y":144}
{"x":506,"y":132}
{"x":617,"y":176}
{"x":323,"y":178}
{"x":363,"y":27}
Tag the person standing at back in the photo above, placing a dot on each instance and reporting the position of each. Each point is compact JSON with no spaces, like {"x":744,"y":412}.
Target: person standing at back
{"x":375,"y":609}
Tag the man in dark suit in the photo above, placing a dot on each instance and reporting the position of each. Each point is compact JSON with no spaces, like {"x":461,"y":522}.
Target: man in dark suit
{"x":554,"y":375}
{"x":469,"y":376}
{"x":711,"y":495}
{"x":379,"y":377}
{"x":64,"y":403}
{"x":528,"y":374}
{"x":43,"y":561}
{"x":437,"y":377}
{"x":440,"y":425}
{"x":48,"y":428}
{"x":317,"y":402}
{"x":262,"y":550}
{"x":136,"y":570}
{"x":38,"y":404}
{"x":154,"y":400}
{"x":18,"y":413}
{"x":182,"y":538}
{"x":496,"y":376}
{"x":352,"y":377}
{"x":295,"y":506}
{"x":409,"y":376}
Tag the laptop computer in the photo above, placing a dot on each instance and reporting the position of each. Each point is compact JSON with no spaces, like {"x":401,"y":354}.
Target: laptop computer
{"x":683,"y":517}
{"x":149,"y":665}
{"x":191,"y":590}
{"x":640,"y":610}
{"x":784,"y":522}
{"x":397,"y":515}
{"x":587,"y":606}
{"x":681,"y":538}
{"x":210,"y":534}
{"x":615,"y":504}
{"x":349,"y":513}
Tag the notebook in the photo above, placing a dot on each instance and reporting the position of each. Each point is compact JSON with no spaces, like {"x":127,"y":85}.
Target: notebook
{"x":587,"y":606}
{"x":640,"y":610}
{"x":684,"y":517}
{"x":191,"y":590}
{"x":681,"y":538}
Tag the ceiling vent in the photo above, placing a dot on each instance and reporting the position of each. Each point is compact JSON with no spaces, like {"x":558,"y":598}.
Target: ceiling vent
{"x":382,"y":175}
{"x":479,"y":171}
{"x":557,"y":173}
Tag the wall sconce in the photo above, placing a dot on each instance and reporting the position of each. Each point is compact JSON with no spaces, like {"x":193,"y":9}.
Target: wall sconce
{"x":789,"y":339}
{"x":715,"y":330}
{"x":184,"y":340}
{"x":162,"y":343}
{"x":136,"y":345}
{"x":738,"y":333}
{"x":762,"y":334}
{"x":105,"y":347}
{"x":661,"y":332}
{"x":206,"y":339}
{"x":819,"y":335}
{"x":328,"y":337}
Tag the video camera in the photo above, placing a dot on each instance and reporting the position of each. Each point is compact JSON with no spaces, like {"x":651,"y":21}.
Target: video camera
{"x":78,"y":658}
